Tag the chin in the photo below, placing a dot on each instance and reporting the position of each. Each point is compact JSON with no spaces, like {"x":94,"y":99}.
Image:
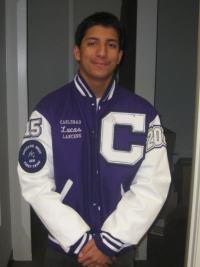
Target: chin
{"x":103,"y":76}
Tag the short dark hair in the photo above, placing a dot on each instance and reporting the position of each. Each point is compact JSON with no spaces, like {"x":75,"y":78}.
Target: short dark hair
{"x":100,"y":18}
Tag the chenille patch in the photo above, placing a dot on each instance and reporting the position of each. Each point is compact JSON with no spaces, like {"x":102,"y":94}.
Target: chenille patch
{"x":32,"y":156}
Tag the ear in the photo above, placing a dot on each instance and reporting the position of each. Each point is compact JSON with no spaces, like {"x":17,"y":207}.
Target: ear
{"x":119,"y":57}
{"x":76,"y":52}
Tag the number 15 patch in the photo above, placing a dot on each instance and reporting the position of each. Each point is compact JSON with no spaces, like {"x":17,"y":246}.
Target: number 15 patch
{"x":33,"y":128}
{"x":32,"y":156}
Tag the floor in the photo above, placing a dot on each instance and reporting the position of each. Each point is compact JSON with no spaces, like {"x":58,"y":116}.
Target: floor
{"x":163,"y":251}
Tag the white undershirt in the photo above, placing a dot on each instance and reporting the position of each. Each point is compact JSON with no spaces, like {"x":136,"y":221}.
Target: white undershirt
{"x":97,"y":101}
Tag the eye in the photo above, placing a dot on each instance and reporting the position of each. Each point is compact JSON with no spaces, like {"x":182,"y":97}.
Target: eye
{"x":112,"y":45}
{"x":92,"y":43}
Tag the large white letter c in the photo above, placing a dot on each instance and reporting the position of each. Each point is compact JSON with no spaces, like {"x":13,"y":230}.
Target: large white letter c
{"x":137,"y":122}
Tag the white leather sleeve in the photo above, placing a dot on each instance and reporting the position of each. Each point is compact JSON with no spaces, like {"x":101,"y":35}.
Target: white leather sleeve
{"x":140,"y":205}
{"x":38,"y":188}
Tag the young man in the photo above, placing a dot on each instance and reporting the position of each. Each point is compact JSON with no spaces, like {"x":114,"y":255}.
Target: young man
{"x":93,"y":162}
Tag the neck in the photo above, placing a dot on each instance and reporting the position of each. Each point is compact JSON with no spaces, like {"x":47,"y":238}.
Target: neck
{"x":97,"y":86}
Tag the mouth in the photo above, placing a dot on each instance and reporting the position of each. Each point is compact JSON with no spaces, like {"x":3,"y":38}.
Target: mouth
{"x":100,"y":64}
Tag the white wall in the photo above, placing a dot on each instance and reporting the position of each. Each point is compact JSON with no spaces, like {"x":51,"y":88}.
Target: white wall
{"x":146,"y":39}
{"x":176,"y":70}
{"x":48,"y":31}
{"x":16,"y":118}
{"x":5,"y":219}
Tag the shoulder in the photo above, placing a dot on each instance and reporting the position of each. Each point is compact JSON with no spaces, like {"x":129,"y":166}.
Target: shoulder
{"x":54,"y":100}
{"x":58,"y":94}
{"x":135,"y":101}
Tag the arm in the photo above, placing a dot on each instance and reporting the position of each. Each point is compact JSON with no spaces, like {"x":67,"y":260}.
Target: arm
{"x":38,"y":187}
{"x":140,"y":205}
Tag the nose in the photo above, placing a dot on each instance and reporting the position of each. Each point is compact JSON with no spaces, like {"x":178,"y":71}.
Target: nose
{"x":101,"y":50}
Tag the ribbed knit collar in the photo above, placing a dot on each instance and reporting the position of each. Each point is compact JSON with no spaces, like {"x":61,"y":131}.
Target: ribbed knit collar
{"x":85,"y":90}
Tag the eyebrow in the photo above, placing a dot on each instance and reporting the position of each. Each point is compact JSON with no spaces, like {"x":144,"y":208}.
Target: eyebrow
{"x":95,"y":38}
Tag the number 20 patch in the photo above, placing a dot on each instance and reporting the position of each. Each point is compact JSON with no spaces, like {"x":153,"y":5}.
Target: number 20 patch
{"x":156,"y":138}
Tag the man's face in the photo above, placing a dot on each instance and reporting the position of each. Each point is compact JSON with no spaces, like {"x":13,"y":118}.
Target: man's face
{"x":99,"y":54}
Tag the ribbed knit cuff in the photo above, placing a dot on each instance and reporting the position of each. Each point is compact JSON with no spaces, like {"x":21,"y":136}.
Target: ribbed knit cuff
{"x":76,"y":248}
{"x":108,"y":244}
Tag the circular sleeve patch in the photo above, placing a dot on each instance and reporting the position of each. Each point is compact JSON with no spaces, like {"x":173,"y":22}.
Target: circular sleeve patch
{"x":32,"y":156}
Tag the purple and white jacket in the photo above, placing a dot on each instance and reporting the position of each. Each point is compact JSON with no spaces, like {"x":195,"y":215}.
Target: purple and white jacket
{"x":94,"y":169}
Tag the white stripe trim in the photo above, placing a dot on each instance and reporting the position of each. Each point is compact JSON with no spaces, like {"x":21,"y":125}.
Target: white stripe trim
{"x":78,"y":87}
{"x":112,"y":91}
{"x":112,"y":239}
{"x":81,"y":244}
{"x":84,"y":87}
{"x":110,"y":246}
{"x":110,"y":94}
{"x":66,"y":188}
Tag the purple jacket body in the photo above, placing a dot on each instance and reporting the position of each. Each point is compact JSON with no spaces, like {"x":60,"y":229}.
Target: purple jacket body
{"x":94,"y":168}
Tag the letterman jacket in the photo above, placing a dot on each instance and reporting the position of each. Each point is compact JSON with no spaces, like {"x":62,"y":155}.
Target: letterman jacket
{"x":94,"y":170}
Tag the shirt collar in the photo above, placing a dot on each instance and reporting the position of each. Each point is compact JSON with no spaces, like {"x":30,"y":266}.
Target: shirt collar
{"x":85,"y":90}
